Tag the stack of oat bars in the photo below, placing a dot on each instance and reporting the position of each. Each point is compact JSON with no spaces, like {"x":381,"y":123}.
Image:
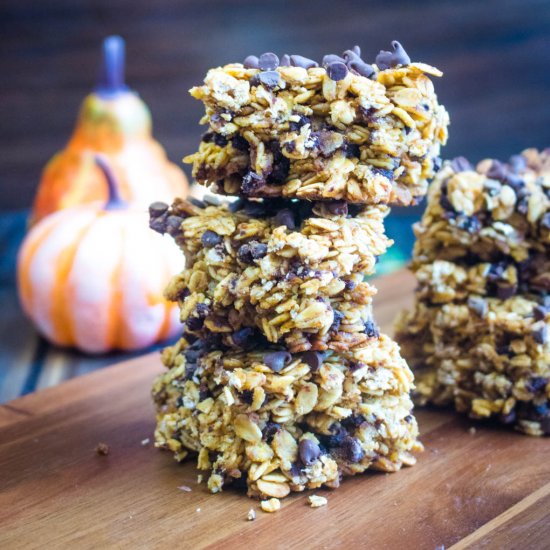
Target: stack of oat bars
{"x":477,"y":337}
{"x":281,"y":380}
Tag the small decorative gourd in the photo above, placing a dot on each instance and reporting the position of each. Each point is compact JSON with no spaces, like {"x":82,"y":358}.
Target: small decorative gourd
{"x":93,"y":276}
{"x":116,"y":123}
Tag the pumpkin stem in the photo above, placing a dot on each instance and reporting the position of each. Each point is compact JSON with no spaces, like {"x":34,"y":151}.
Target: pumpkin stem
{"x":111,"y":82}
{"x":115,"y":201}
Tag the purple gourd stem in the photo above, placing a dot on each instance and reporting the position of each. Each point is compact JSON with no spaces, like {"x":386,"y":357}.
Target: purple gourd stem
{"x":111,"y":81}
{"x":114,"y":200}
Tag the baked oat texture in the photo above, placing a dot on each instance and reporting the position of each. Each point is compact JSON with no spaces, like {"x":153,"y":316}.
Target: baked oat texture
{"x":309,"y":132}
{"x":304,"y":425}
{"x":478,"y":334}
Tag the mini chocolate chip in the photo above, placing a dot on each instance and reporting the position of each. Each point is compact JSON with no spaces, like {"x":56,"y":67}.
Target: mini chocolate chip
{"x":357,"y":65}
{"x":352,"y":150}
{"x":540,"y":334}
{"x":517,"y":163}
{"x":240,"y":143}
{"x":285,"y":61}
{"x":285,"y":217}
{"x":337,"y":208}
{"x":251,"y":62}
{"x":461,"y":164}
{"x":269,"y":79}
{"x":352,"y":449}
{"x":479,"y":305}
{"x":495,"y":272}
{"x":252,"y":182}
{"x":385,"y":60}
{"x":210,"y":239}
{"x":277,"y":360}
{"x":247,"y":396}
{"x":242,"y":337}
{"x":536,"y":384}
{"x":545,"y":221}
{"x":497,"y":171}
{"x":309,"y":451}
{"x":540,"y":312}
{"x":332,"y":58}
{"x":506,"y":291}
{"x":338,"y":316}
{"x":371,"y":330}
{"x":295,"y":125}
{"x":194,"y":323}
{"x":255,"y":209}
{"x":337,"y":71}
{"x":313,"y":358}
{"x":268,"y":61}
{"x":468,"y":223}
{"x":350,"y":285}
{"x":157,"y":209}
{"x":303,"y":62}
{"x":357,"y":50}
{"x":270,"y":429}
{"x":249,"y":252}
{"x":173,"y":225}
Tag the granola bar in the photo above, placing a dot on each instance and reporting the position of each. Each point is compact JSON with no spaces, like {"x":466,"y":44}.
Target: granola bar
{"x":277,"y":422}
{"x":286,"y":271}
{"x":488,"y":357}
{"x":344,"y":130}
{"x":486,"y":214}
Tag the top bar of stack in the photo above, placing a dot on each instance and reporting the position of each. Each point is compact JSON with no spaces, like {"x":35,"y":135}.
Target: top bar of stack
{"x":348,"y":130}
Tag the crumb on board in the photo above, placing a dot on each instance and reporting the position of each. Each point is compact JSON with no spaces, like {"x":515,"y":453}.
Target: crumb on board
{"x":472,"y":431}
{"x":185,"y":488}
{"x":271,"y":505}
{"x":316,"y":501}
{"x":102,"y":449}
{"x":145,"y":441}
{"x":251,"y":516}
{"x":198,"y":509}
{"x":199,"y":479}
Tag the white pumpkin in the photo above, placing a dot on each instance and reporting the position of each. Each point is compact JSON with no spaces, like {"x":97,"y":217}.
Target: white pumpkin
{"x":93,"y":277}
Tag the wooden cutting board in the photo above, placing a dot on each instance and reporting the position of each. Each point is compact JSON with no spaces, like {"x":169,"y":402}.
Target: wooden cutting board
{"x":484,"y":489}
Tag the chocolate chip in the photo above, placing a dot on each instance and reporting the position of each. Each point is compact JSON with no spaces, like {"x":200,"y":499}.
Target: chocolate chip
{"x":337,"y":71}
{"x":357,"y":65}
{"x":173,"y":225}
{"x":352,"y":150}
{"x":269,"y":79}
{"x":268,"y":61}
{"x":352,"y":449}
{"x":385,"y":60}
{"x":309,"y":451}
{"x":337,"y":208}
{"x":371,"y":330}
{"x":251,"y":62}
{"x":157,"y":209}
{"x":506,"y":291}
{"x":468,"y":223}
{"x":194,"y":323}
{"x":239,"y":143}
{"x":285,"y":217}
{"x":210,"y":239}
{"x":270,"y":429}
{"x":255,"y":209}
{"x":338,"y":316}
{"x":479,"y":305}
{"x":496,"y":271}
{"x":303,"y":62}
{"x":536,"y":384}
{"x":314,"y":359}
{"x":540,"y":334}
{"x":540,"y":312}
{"x":497,"y":171}
{"x":247,"y":396}
{"x":277,"y":360}
{"x":461,"y":164}
{"x":517,"y":163}
{"x":332,"y":58}
{"x":295,"y":125}
{"x":241,"y":338}
{"x":252,"y":182}
{"x":285,"y":61}
{"x":251,"y":251}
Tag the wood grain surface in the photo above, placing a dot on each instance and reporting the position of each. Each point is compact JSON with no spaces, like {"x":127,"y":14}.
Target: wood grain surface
{"x":487,"y":488}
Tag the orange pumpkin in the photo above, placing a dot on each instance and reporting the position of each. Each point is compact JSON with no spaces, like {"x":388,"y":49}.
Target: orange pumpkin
{"x":114,"y":122}
{"x":93,"y":276}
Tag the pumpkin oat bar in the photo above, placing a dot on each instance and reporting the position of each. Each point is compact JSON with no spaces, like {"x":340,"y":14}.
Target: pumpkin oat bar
{"x":345,"y":130}
{"x":289,"y":272}
{"x":488,"y":357}
{"x":277,"y":422}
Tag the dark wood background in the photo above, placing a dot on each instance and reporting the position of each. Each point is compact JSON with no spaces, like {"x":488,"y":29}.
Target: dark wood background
{"x":495,"y":54}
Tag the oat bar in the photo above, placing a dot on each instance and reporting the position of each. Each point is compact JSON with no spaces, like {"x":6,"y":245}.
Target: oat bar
{"x":344,"y":130}
{"x":289,"y":272}
{"x":276,"y":422}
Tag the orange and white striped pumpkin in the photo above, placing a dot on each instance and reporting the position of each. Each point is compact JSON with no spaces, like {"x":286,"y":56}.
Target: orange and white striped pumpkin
{"x":93,"y":277}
